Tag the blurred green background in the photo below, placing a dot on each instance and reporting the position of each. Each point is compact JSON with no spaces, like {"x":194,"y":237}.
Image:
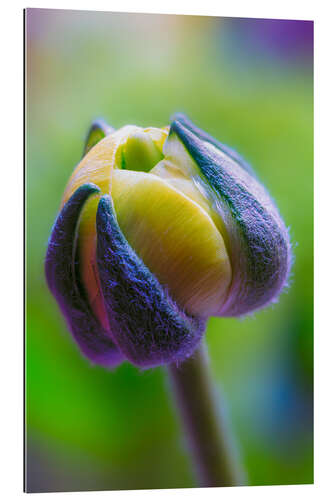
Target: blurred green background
{"x":249,"y":83}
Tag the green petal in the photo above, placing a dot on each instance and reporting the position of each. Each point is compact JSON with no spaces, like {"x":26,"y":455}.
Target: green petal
{"x":140,"y":152}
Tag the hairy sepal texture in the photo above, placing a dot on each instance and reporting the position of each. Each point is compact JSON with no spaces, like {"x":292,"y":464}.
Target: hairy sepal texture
{"x":94,"y":341}
{"x":147,"y":325}
{"x":258,"y":240}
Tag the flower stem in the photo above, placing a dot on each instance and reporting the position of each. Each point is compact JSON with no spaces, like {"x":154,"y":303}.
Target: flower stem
{"x":208,"y":439}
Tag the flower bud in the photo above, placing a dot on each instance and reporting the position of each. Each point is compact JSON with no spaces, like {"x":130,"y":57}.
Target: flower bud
{"x":176,"y":229}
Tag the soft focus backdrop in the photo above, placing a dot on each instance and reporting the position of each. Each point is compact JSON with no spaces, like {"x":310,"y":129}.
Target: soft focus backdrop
{"x":249,"y":83}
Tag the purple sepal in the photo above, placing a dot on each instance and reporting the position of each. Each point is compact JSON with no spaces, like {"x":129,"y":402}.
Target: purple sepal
{"x":182,"y":118}
{"x":145,"y":322}
{"x":94,"y":342}
{"x":97,"y":131}
{"x":258,"y":241}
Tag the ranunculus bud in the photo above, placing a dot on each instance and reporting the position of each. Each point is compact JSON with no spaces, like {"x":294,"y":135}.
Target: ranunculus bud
{"x":160,"y":229}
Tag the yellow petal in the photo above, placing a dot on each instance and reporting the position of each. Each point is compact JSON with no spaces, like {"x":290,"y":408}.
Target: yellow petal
{"x":180,"y":170}
{"x":176,"y":239}
{"x":158,"y":135}
{"x":97,"y":165}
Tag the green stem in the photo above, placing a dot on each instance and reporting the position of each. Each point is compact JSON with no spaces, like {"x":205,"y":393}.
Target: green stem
{"x":208,"y":438}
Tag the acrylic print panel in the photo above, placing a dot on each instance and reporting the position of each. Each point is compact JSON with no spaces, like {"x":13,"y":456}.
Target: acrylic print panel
{"x":169,"y":283}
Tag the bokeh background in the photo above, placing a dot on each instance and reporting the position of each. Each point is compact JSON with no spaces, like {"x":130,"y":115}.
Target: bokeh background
{"x":248,"y":82}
